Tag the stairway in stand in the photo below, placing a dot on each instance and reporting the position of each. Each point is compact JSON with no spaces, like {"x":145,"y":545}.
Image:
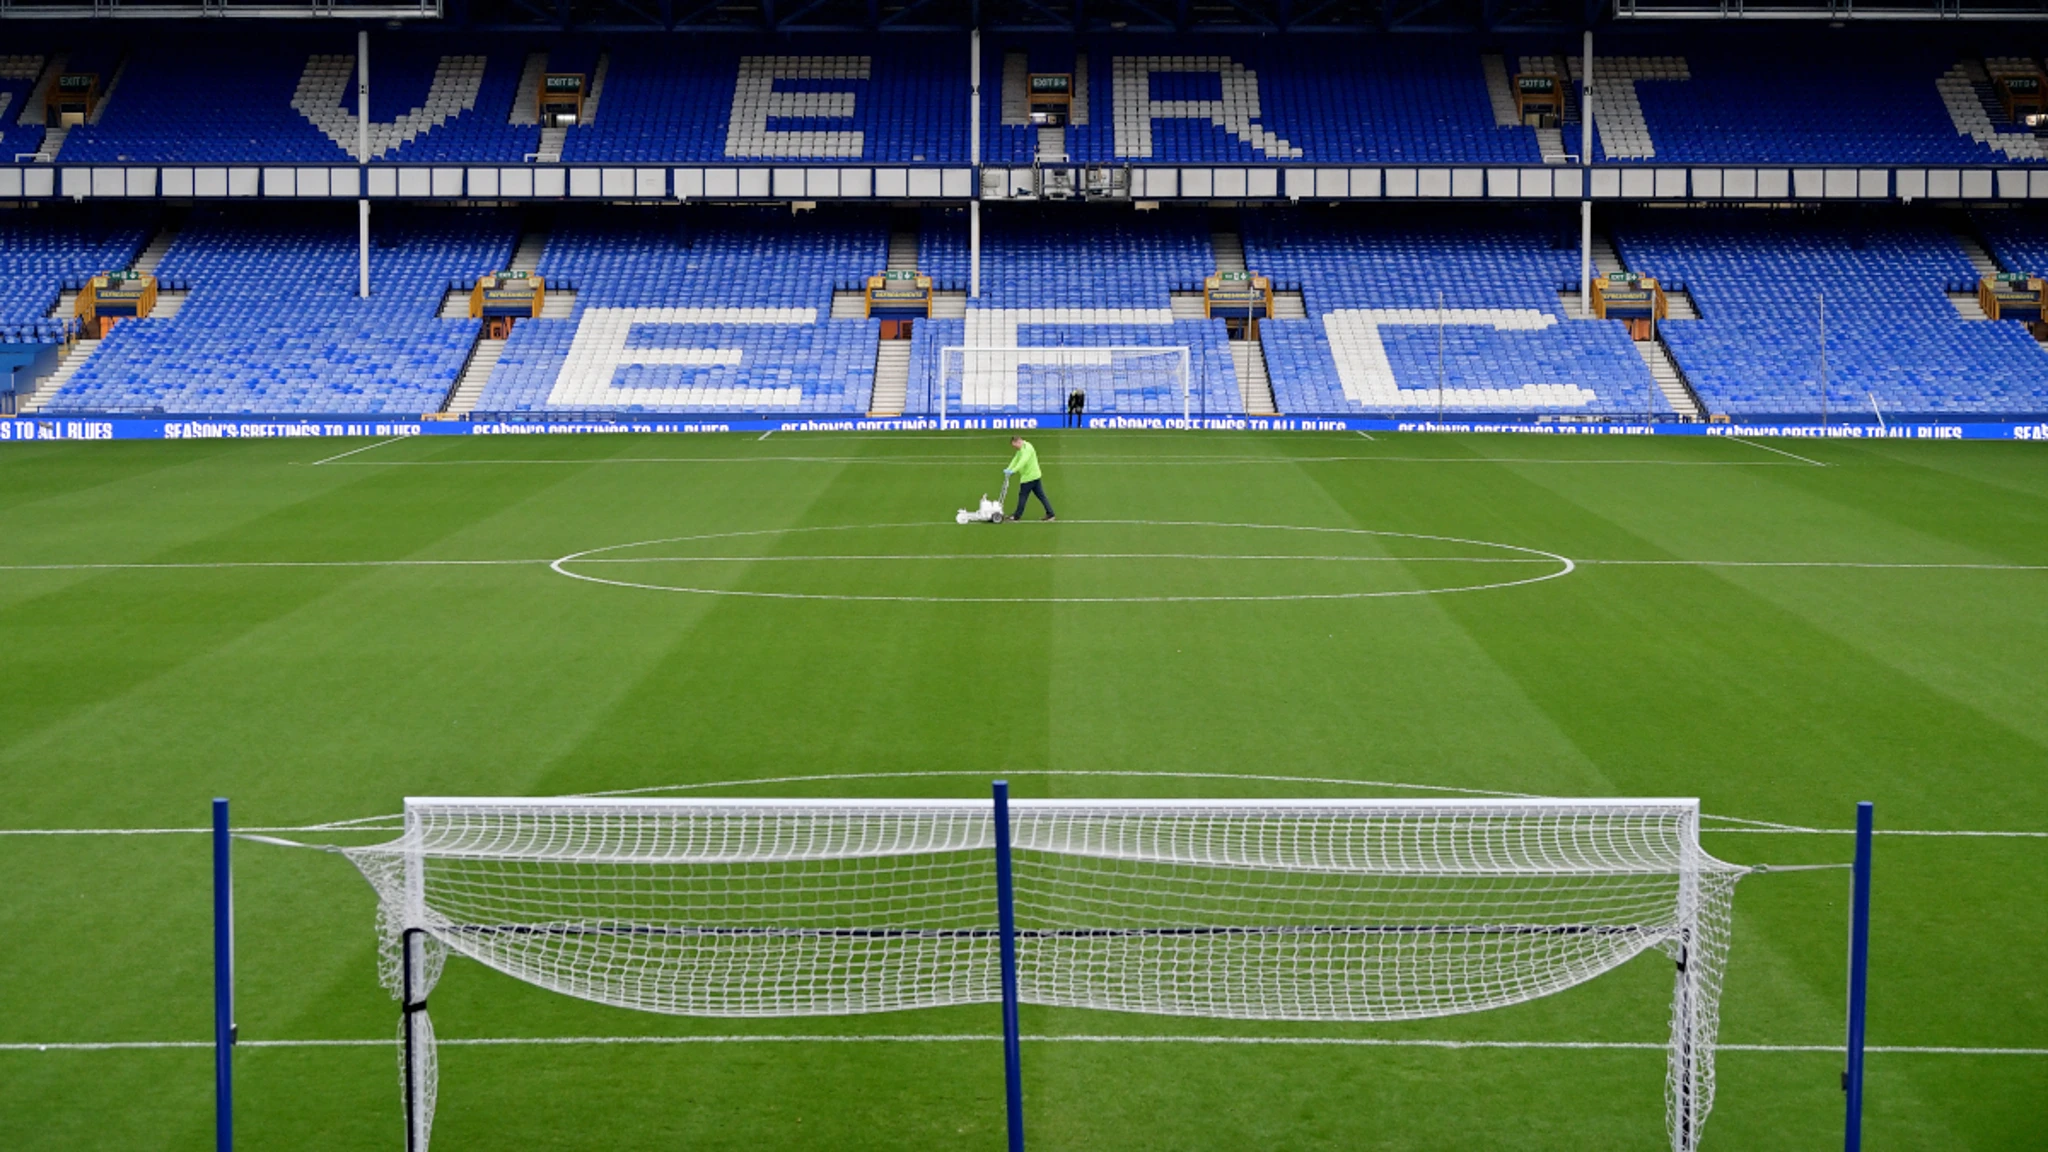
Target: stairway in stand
{"x":46,"y":390}
{"x":1670,"y":381}
{"x":556,"y":304}
{"x":1247,"y":356}
{"x":1253,"y":387}
{"x":892,"y":357}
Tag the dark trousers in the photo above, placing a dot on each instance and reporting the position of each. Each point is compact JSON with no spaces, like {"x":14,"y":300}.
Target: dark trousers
{"x":1032,"y":488}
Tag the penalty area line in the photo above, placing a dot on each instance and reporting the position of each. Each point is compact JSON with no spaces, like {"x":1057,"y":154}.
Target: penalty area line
{"x":1779,"y":451}
{"x":353,"y":451}
{"x":992,"y":1038}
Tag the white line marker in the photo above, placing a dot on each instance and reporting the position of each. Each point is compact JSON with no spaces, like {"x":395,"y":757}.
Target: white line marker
{"x":1779,"y":451}
{"x":1878,"y":564}
{"x":364,"y":448}
{"x":1368,"y":435}
{"x":1068,"y":556}
{"x":765,"y":435}
{"x":990,"y":1038}
{"x":1564,"y":568}
{"x":144,"y":566}
{"x":392,"y":823}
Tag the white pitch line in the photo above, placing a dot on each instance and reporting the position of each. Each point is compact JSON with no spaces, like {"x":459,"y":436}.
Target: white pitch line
{"x":1368,"y":435}
{"x":353,"y":451}
{"x":206,"y":564}
{"x":144,"y":566}
{"x":1070,"y":556}
{"x":765,"y":435}
{"x":992,"y":1038}
{"x":1879,"y":564}
{"x":1779,"y":451}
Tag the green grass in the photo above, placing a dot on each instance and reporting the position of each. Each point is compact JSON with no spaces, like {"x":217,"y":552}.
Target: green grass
{"x":311,"y":693}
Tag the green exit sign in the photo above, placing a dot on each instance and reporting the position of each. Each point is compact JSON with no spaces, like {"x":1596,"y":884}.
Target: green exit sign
{"x":899,"y":275}
{"x":1228,"y":277}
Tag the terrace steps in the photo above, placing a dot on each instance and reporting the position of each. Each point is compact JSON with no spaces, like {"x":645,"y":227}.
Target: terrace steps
{"x":74,"y":359}
{"x":1254,"y":386}
{"x":476,"y":373}
{"x":892,"y":378}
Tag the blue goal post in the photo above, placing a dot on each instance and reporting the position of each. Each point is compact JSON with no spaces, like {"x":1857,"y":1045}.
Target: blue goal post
{"x":223,"y":984}
{"x":1859,"y":978}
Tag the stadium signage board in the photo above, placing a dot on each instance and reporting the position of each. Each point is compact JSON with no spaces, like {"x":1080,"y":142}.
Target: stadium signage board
{"x":33,"y":428}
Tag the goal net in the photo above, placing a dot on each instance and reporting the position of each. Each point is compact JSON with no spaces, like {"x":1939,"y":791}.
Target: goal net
{"x":1281,"y":910}
{"x":1118,"y":379}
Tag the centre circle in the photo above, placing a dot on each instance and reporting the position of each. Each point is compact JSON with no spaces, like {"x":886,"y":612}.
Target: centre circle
{"x":1067,"y":562}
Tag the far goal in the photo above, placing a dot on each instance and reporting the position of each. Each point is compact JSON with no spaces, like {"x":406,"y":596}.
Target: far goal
{"x":1120,"y":380}
{"x":1302,"y":910}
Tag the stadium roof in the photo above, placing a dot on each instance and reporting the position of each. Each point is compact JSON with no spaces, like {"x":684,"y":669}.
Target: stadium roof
{"x":1055,"y":16}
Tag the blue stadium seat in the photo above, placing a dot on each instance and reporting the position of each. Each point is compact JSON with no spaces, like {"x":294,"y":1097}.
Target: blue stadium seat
{"x":273,"y":324}
{"x":1372,"y":288}
{"x":1892,"y":335}
{"x":730,"y":316}
{"x":45,"y":252}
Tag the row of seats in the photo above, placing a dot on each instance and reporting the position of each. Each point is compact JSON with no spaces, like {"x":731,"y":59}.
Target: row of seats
{"x":1401,"y":310}
{"x":274,"y":324}
{"x":714,"y":312}
{"x":1763,"y":282}
{"x":44,"y":252}
{"x":293,"y":99}
{"x":1273,"y":101}
{"x":698,"y":310}
{"x":881,"y":101}
{"x":1795,"y":98}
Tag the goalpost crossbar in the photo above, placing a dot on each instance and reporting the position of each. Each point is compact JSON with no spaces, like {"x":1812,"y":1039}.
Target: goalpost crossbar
{"x":1323,"y":910}
{"x":992,"y":377}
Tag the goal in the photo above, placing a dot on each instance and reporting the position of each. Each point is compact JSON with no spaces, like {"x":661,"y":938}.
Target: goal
{"x":1120,"y":379}
{"x":1307,"y":910}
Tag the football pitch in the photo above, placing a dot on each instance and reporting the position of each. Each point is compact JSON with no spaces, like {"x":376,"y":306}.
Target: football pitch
{"x":318,"y":629}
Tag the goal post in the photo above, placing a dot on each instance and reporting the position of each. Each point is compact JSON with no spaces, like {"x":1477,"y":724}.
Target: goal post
{"x":1127,"y":379}
{"x":1304,"y":910}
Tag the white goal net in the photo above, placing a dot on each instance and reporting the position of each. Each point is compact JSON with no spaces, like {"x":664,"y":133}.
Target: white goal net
{"x":1279,"y":910}
{"x":1119,"y":379}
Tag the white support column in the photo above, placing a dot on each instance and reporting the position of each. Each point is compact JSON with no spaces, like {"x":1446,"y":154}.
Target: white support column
{"x":363,"y":249}
{"x":363,"y":157}
{"x":974,"y":159}
{"x":362,"y":97}
{"x":1585,"y":258}
{"x":974,"y":99}
{"x":1586,"y":184}
{"x":1586,"y":106}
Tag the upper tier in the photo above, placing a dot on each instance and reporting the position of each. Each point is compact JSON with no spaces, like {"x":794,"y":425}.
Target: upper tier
{"x":904,"y":100}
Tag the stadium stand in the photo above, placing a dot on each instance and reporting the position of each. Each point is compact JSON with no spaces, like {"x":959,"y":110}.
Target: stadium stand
{"x":18,"y":75}
{"x":698,"y":314}
{"x":1892,"y":334}
{"x":1191,"y":99}
{"x":1802,"y":103}
{"x":869,"y":99}
{"x":1372,"y":288}
{"x":295,"y":101}
{"x":43,"y":254}
{"x":1077,"y":278}
{"x":1245,"y":100}
{"x":273,"y":323}
{"x":2018,"y":240}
